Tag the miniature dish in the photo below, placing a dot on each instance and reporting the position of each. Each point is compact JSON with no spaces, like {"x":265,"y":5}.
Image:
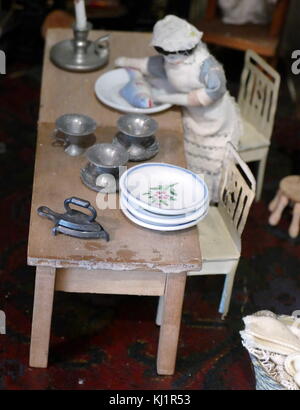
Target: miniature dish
{"x":156,"y":219}
{"x":75,"y":132}
{"x":142,"y":150}
{"x":164,"y":189}
{"x":105,"y":183}
{"x":137,"y":125}
{"x":75,"y":125}
{"x":136,"y":135}
{"x":107,"y":156}
{"x":107,"y":89}
{"x":102,"y":171}
{"x":157,"y":227}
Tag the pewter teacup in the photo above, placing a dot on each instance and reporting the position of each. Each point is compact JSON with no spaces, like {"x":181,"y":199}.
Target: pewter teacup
{"x":137,"y":125}
{"x":74,"y":132}
{"x":103,"y":169}
{"x":136,"y":134}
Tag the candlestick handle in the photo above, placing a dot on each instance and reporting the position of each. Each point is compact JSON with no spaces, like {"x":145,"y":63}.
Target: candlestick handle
{"x":102,"y":43}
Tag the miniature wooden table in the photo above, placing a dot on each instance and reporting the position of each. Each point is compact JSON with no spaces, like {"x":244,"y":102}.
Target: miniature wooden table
{"x":136,"y":261}
{"x":289,"y":191}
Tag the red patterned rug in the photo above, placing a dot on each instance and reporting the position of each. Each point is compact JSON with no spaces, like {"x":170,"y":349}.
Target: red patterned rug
{"x":110,"y":342}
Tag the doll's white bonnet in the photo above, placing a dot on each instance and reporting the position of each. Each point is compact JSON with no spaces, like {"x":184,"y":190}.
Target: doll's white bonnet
{"x":175,"y":34}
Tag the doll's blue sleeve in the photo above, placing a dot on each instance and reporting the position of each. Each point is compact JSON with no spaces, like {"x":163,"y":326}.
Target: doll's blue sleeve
{"x":213,"y":77}
{"x":156,"y":66}
{"x":137,"y":91}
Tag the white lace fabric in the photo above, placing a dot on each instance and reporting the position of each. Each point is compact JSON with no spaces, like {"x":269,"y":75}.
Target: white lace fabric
{"x":273,"y":349}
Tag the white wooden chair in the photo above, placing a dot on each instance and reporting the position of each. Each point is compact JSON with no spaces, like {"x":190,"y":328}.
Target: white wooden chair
{"x":258,"y":96}
{"x":220,"y":231}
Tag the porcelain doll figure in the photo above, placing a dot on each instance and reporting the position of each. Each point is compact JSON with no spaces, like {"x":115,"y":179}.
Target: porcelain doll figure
{"x":196,"y":81}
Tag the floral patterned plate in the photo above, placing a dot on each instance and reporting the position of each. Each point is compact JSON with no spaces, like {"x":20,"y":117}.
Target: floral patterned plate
{"x":164,"y":189}
{"x":157,"y":219}
{"x":158,"y":227}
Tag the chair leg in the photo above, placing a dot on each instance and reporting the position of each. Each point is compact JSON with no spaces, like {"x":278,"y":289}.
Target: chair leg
{"x":260,"y":177}
{"x":159,"y":312}
{"x":227,"y":290}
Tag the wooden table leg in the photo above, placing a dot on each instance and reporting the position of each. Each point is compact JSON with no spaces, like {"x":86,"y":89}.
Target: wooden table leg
{"x":42,"y":314}
{"x":170,"y":326}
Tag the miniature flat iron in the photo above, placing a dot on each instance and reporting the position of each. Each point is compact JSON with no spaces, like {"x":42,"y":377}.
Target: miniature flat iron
{"x":75,"y":223}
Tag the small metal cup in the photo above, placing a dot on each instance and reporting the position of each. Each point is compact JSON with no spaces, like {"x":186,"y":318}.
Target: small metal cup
{"x":74,"y":132}
{"x":103,"y":169}
{"x":136,"y":134}
{"x":137,"y":126}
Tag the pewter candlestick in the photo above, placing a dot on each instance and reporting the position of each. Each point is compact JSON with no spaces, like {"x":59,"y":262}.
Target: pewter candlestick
{"x":79,"y":53}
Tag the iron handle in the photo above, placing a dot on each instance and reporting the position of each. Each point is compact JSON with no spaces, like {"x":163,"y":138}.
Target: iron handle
{"x":83,"y":204}
{"x":48,"y":213}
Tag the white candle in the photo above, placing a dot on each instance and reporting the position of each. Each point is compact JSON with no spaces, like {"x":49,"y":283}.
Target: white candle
{"x":80,"y":14}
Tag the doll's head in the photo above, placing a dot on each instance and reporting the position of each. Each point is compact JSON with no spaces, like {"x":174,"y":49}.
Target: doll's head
{"x":175,"y":57}
{"x":175,"y":38}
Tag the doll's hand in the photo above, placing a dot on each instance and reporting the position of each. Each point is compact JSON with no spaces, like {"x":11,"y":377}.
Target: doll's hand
{"x":164,"y":98}
{"x":136,"y":63}
{"x":122,"y":62}
{"x":158,"y":95}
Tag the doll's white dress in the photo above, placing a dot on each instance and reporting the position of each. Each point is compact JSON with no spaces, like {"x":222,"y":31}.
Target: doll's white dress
{"x":207,"y":128}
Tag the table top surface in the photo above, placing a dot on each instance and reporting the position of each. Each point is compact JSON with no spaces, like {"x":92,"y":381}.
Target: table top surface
{"x":57,"y":177}
{"x":64,"y":91}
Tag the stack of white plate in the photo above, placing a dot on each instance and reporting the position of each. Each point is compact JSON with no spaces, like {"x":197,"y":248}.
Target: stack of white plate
{"x":163,"y":197}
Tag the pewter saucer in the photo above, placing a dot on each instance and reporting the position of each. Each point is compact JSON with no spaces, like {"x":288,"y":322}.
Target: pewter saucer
{"x":105,"y":183}
{"x":101,"y":173}
{"x":138,"y":151}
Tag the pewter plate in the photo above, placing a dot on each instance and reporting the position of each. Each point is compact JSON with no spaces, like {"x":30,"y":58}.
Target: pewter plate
{"x":138,"y":152}
{"x":89,"y":180}
{"x":62,"y":54}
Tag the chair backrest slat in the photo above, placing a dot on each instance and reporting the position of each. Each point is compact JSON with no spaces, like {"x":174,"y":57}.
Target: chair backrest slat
{"x":237,"y":192}
{"x":258,"y":94}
